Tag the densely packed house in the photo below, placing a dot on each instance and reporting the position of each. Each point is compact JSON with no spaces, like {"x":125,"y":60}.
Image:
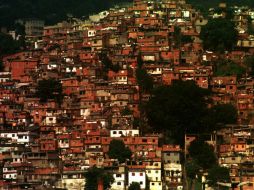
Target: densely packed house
{"x":47,"y":145}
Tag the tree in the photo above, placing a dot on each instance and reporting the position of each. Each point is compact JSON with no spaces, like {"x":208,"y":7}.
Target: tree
{"x":126,"y":111}
{"x":202,"y":153}
{"x":250,"y":29}
{"x":8,"y":45}
{"x":219,"y":35}
{"x":117,"y":150}
{"x":43,"y":9}
{"x":144,"y":80}
{"x":249,"y":62}
{"x":178,"y":109}
{"x":218,"y":174}
{"x":177,"y":36}
{"x":228,"y":68}
{"x":192,"y":170}
{"x":107,"y":63}
{"x":140,"y":61}
{"x":1,"y":66}
{"x":223,"y":114}
{"x":94,"y":174}
{"x":134,"y":186}
{"x":49,"y":89}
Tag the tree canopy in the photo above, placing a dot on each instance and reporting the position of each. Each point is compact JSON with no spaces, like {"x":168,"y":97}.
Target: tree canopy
{"x":223,"y":114}
{"x":219,"y":35}
{"x":117,"y":150}
{"x":144,"y":80}
{"x":177,"y":109}
{"x":183,"y":108}
{"x":8,"y":45}
{"x":49,"y":89}
{"x":202,"y":153}
{"x":43,"y":9}
{"x":192,"y":170}
{"x":134,"y":186}
{"x":94,"y":174}
{"x":249,"y":63}
{"x":228,"y":68}
{"x":218,"y":174}
{"x":1,"y":66}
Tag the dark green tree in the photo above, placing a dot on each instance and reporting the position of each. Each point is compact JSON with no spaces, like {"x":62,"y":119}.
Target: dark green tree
{"x":8,"y":45}
{"x":134,"y":186}
{"x":249,"y":63}
{"x":177,"y":37}
{"x":192,"y":170}
{"x":250,"y":29}
{"x":140,"y":61}
{"x":202,"y":153}
{"x":107,"y":63}
{"x":49,"y":89}
{"x":43,"y":9}
{"x":223,"y":114}
{"x":94,"y":174}
{"x":118,"y":150}
{"x":178,"y":109}
{"x":186,"y":39}
{"x":1,"y":66}
{"x":218,"y":174}
{"x":228,"y":68}
{"x":126,"y":111}
{"x":144,"y":80}
{"x":219,"y":35}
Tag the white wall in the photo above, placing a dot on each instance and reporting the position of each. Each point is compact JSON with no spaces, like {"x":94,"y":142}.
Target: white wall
{"x":119,"y":181}
{"x":119,"y":133}
{"x":155,"y":185}
{"x":137,"y":176}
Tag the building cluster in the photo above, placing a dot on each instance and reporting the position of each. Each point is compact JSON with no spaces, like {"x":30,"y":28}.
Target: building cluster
{"x":47,"y":145}
{"x":236,"y":153}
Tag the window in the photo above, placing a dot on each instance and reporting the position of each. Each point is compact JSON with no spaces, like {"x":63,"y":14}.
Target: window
{"x":141,"y":182}
{"x":119,"y":183}
{"x":114,"y":132}
{"x":141,"y":174}
{"x":152,"y":183}
{"x":118,"y":175}
{"x":133,"y":174}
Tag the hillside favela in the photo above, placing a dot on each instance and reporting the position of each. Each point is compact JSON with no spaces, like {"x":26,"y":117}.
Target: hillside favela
{"x":135,"y":95}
